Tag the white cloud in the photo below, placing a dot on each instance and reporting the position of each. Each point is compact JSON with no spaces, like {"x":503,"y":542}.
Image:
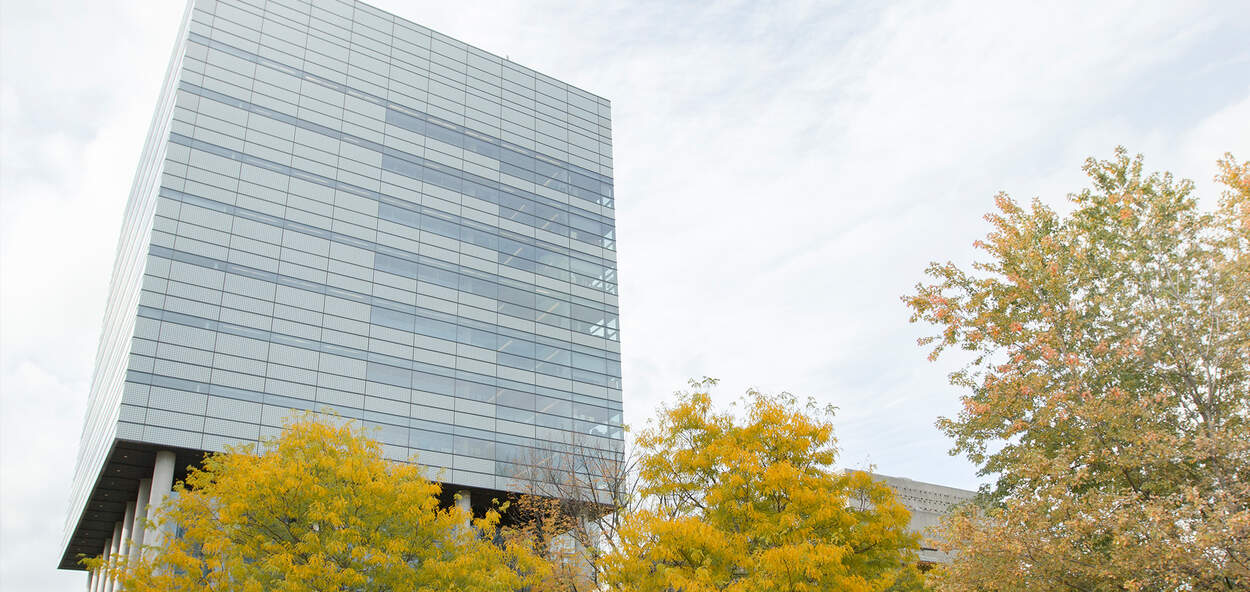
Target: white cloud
{"x":75,"y":101}
{"x":784,"y":172}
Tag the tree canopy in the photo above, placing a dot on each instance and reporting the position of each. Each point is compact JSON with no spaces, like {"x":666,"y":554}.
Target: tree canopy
{"x":1108,"y":390}
{"x":754,"y":504}
{"x":319,"y":508}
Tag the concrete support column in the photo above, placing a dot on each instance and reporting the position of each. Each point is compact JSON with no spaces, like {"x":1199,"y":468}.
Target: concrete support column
{"x":115,"y":546}
{"x":128,"y":520}
{"x":162,"y":484}
{"x":102,"y":572}
{"x":90,"y":580}
{"x":464,"y":502}
{"x":141,"y":516}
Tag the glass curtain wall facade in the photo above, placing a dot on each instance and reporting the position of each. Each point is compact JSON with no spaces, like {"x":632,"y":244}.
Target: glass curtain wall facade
{"x":339,"y":209}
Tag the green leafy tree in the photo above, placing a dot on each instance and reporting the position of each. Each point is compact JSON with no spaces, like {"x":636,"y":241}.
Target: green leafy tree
{"x":319,"y":508}
{"x":754,"y":504}
{"x":1108,"y":389}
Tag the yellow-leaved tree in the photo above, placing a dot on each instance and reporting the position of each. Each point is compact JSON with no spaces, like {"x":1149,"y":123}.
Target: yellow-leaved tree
{"x":753,"y":503}
{"x":319,"y":508}
{"x":1108,"y":389}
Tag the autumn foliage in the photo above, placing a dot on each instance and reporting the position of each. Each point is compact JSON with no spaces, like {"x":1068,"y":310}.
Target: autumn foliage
{"x":716,"y":503}
{"x":1108,"y":391}
{"x":753,"y":503}
{"x":319,"y":508}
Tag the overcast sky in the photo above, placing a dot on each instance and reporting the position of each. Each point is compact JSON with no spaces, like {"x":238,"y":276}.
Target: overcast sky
{"x":784,"y":171}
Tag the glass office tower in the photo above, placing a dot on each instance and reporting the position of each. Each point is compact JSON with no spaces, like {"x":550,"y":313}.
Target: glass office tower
{"x":338,"y":208}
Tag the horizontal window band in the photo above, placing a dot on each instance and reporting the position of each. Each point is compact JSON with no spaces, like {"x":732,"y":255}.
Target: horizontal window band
{"x":503,"y":334}
{"x":419,"y":267}
{"x":293,"y":172}
{"x":384,"y":39}
{"x":198,"y":387}
{"x":439,"y":174}
{"x":448,"y":125}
